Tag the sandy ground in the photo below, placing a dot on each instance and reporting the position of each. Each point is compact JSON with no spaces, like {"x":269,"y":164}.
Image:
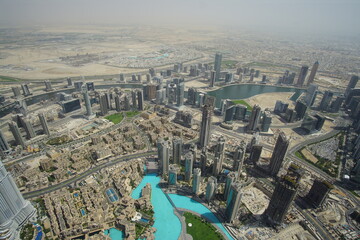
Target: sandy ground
{"x":268,"y":100}
{"x":40,"y":57}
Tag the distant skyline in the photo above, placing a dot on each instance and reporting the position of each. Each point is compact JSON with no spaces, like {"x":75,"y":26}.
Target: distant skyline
{"x":317,"y":17}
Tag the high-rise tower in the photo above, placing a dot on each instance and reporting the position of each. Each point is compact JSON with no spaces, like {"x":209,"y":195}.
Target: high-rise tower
{"x":254,"y":119}
{"x":89,"y":112}
{"x":44,"y":124}
{"x":230,"y":179}
{"x":211,"y":188}
{"x":163,"y":156}
{"x":140,"y":99}
{"x":203,"y":161}
{"x":313,"y":73}
{"x":30,"y":133}
{"x":238,"y":158}
{"x":318,"y":192}
{"x":176,"y":150}
{"x":189,"y":161}
{"x":14,"y":210}
{"x":205,"y":125}
{"x":217,"y":66}
{"x":4,"y":145}
{"x":302,"y":76}
{"x":283,"y":195}
{"x":278,"y":155}
{"x":17,"y":135}
{"x":352,"y":84}
{"x":219,"y":156}
{"x":233,"y":202}
{"x":196,"y":181}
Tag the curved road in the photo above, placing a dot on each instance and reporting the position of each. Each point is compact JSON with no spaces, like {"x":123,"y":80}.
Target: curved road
{"x":90,"y":171}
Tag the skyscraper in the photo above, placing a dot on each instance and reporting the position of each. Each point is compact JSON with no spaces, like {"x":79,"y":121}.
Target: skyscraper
{"x":352,"y":84}
{"x":140,"y":98}
{"x":205,"y":125}
{"x":108,"y":100}
{"x":313,"y":73}
{"x":230,"y":179}
{"x":103,"y":105}
{"x":133,"y":98}
{"x":318,"y":192}
{"x":4,"y":145}
{"x":282,"y":197}
{"x":212,"y":78}
{"x":89,"y":112}
{"x":239,"y":156}
{"x":26,"y":90}
{"x":229,"y":114}
{"x":163,"y":156}
{"x":255,"y":153}
{"x":180,"y":93}
{"x":173,"y":172}
{"x":48,"y":86}
{"x":126,"y":103}
{"x":300,"y":109}
{"x":211,"y":188}
{"x":203,"y":161}
{"x":30,"y":133}
{"x":17,"y":135}
{"x":217,"y":66}
{"x":176,"y":150}
{"x":16,"y":91}
{"x":266,"y":121}
{"x":69,"y":82}
{"x":254,"y":118}
{"x":189,"y":161}
{"x":233,"y":202}
{"x":44,"y":124}
{"x":311,"y":94}
{"x":15,"y":211}
{"x":325,"y":101}
{"x":219,"y":156}
{"x":278,"y":154}
{"x":302,"y":76}
{"x":117,"y":103}
{"x":196,"y":181}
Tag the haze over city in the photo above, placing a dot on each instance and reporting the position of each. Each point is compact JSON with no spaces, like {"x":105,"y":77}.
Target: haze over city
{"x":304,"y":16}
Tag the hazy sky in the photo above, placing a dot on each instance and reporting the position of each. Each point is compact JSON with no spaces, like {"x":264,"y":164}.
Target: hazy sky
{"x":311,"y":16}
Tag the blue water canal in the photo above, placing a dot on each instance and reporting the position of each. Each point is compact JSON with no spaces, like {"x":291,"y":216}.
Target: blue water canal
{"x":242,"y":91}
{"x":166,"y":222}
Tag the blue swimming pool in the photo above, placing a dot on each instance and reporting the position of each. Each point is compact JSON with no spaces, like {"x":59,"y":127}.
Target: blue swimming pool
{"x":188,"y":203}
{"x":111,"y":194}
{"x":144,"y":220}
{"x":166,"y":222}
{"x":114,"y":234}
{"x":83,"y":212}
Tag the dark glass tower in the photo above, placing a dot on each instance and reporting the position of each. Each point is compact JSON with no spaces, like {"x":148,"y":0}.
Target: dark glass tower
{"x":278,"y":154}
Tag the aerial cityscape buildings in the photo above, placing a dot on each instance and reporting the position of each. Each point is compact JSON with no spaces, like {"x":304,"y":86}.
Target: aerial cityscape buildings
{"x":177,"y":134}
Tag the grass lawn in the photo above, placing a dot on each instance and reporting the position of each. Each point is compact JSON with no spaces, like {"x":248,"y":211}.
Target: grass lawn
{"x":8,"y":79}
{"x":243,"y":102}
{"x":229,"y":64}
{"x":200,"y":229}
{"x":115,"y":118}
{"x":132,"y":114}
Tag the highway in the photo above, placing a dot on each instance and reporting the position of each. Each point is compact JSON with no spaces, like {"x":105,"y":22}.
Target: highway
{"x":83,"y":175}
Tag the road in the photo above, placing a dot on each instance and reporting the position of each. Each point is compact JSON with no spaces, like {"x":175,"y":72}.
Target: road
{"x":90,"y":171}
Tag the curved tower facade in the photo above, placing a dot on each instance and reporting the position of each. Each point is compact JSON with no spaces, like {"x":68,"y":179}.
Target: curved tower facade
{"x":14,"y":209}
